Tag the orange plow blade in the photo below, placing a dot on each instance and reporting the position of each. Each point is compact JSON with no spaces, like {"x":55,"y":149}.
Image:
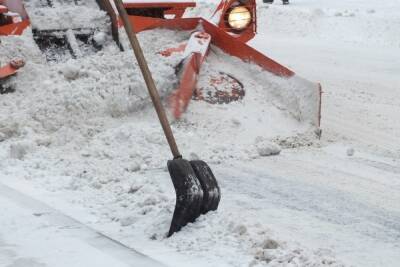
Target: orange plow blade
{"x":219,"y":38}
{"x":309,"y":101}
{"x":14,"y":28}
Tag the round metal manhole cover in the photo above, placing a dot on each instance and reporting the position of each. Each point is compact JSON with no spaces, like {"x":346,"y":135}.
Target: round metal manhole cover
{"x":221,"y":88}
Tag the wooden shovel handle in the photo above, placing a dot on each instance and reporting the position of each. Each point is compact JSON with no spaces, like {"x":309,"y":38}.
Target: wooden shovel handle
{"x":151,"y":87}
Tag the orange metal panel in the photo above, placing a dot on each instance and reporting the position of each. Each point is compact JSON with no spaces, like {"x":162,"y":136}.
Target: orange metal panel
{"x":234,"y":47}
{"x":180,"y":98}
{"x":147,"y":23}
{"x":144,"y":4}
{"x":196,"y":49}
{"x":7,"y":71}
{"x":219,"y":38}
{"x":14,"y":28}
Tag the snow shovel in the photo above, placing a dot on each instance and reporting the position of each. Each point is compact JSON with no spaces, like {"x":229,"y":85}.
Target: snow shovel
{"x":197,"y":190}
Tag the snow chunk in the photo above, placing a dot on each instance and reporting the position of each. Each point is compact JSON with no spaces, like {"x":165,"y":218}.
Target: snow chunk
{"x":129,"y":220}
{"x":70,"y":72}
{"x":266,"y":148}
{"x":100,"y":38}
{"x":270,"y":244}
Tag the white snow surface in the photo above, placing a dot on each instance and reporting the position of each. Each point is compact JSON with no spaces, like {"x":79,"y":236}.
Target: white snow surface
{"x":82,"y":137}
{"x":64,"y":15}
{"x":43,"y":236}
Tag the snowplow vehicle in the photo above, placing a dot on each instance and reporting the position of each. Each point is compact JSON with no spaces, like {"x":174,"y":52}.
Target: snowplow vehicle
{"x":227,"y":30}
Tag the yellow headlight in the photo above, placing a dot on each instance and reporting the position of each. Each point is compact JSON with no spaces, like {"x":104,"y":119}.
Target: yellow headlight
{"x":239,"y":18}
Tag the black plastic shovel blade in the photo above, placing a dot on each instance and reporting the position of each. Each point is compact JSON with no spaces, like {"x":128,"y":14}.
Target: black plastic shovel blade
{"x":209,"y":185}
{"x":189,"y":195}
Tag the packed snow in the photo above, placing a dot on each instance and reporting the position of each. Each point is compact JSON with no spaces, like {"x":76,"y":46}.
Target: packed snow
{"x":82,"y":136}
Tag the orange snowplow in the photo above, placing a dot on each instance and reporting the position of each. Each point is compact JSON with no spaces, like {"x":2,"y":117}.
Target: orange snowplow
{"x":233,"y":23}
{"x":229,"y":28}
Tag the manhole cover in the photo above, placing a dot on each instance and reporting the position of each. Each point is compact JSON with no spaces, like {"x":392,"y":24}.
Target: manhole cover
{"x":222,"y":88}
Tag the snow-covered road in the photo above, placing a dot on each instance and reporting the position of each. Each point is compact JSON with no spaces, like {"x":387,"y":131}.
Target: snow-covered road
{"x":319,"y":199}
{"x":354,"y":199}
{"x":325,"y":200}
{"x":40,"y":236}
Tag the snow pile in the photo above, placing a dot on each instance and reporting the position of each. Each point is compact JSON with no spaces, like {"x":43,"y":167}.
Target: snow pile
{"x":21,"y":47}
{"x":355,"y":23}
{"x":243,"y":241}
{"x":267,"y":148}
{"x":79,"y":98}
{"x":291,"y":100}
{"x":63,"y":15}
{"x":70,"y":94}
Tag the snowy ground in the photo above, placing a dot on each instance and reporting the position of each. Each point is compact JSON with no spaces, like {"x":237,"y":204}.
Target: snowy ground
{"x":44,"y":236}
{"x":316,"y":204}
